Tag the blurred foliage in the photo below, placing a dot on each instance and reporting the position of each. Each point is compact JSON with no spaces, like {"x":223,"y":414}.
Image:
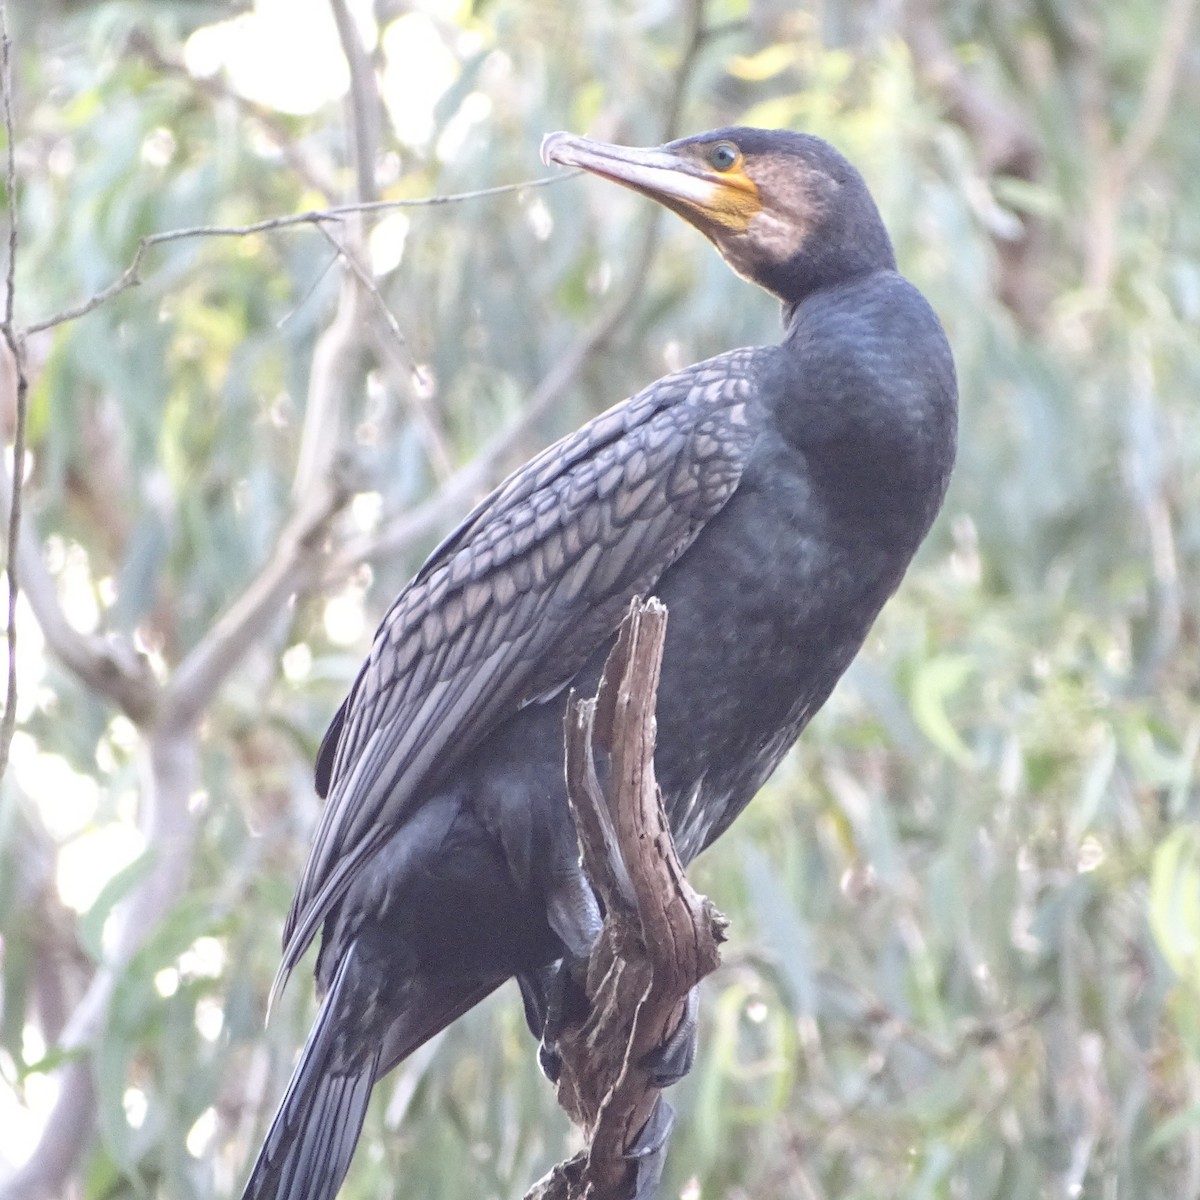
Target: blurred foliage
{"x":965,"y":956}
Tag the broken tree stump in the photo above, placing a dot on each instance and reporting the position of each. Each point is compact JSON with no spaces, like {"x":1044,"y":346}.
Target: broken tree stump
{"x":659,"y":939}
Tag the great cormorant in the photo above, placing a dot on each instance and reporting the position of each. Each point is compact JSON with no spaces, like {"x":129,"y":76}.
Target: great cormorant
{"x":772,"y":497}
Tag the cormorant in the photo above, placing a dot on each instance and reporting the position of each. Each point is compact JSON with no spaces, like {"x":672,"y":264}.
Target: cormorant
{"x":772,"y":497}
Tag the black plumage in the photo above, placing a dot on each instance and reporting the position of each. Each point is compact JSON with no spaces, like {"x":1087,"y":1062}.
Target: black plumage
{"x":772,"y":497}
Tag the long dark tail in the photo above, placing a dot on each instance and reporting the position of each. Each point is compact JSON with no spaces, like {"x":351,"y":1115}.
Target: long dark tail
{"x":308,"y":1148}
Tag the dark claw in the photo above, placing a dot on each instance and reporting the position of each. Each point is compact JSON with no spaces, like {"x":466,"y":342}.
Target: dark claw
{"x":542,"y":994}
{"x":573,"y":912}
{"x":649,"y":1152}
{"x":550,"y":1061}
{"x":563,"y":998}
{"x":535,"y":987}
{"x":671,"y":1061}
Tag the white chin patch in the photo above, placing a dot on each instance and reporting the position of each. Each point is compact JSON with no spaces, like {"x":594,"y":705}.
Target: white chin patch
{"x":767,"y":239}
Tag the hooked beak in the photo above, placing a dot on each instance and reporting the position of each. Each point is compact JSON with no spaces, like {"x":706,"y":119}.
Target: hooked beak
{"x":681,"y":181}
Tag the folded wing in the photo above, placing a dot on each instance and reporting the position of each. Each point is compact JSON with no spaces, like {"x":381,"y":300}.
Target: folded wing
{"x":512,"y":603}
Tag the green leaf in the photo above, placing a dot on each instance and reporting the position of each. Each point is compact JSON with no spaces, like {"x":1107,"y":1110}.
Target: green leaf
{"x":91,"y":923}
{"x":1175,"y":902}
{"x":934,"y":685}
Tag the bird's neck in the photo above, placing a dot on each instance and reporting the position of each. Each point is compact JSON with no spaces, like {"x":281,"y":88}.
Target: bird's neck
{"x":791,"y":310}
{"x":852,"y":249}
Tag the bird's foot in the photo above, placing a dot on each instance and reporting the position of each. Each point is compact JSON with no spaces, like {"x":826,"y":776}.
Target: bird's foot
{"x":552,"y":995}
{"x":539,"y":996}
{"x":671,"y":1061}
{"x":566,"y":1002}
{"x":649,"y":1151}
{"x":574,"y":913}
{"x":555,"y":994}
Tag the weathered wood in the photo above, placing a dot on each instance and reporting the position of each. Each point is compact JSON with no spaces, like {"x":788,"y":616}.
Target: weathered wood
{"x":660,"y":937}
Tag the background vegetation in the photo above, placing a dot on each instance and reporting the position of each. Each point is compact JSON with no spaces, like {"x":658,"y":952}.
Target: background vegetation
{"x":965,"y":956}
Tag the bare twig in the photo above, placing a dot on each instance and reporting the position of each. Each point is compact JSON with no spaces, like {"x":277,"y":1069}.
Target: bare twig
{"x":110,"y":667}
{"x":402,"y":375}
{"x":362,"y":273}
{"x":1118,"y":165}
{"x":659,"y":939}
{"x":293,"y":151}
{"x":364,"y":100}
{"x":1006,"y":146}
{"x":171,"y":775}
{"x":406,"y":529}
{"x":16,"y":346}
{"x":293,"y":565}
{"x":131,"y":276}
{"x":401,"y":532}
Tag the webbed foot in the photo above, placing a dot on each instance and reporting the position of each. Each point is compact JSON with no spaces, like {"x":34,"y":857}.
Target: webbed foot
{"x":671,"y":1061}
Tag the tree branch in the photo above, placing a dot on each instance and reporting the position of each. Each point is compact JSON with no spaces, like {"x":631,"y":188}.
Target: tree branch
{"x":401,"y":532}
{"x":1118,"y":165}
{"x":291,"y":568}
{"x":1006,"y":146}
{"x":16,"y":346}
{"x":171,"y":772}
{"x":659,"y":938}
{"x":364,"y":100}
{"x":312,"y":171}
{"x":131,"y":276}
{"x":111,"y":667}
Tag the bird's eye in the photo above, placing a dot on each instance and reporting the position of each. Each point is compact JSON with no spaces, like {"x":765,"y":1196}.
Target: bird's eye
{"x":724,"y":156}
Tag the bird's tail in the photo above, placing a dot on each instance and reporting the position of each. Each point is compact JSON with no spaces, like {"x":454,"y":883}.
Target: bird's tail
{"x":308,"y":1148}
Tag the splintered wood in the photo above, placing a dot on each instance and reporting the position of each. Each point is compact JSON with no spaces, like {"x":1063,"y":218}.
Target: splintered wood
{"x":660,"y":938}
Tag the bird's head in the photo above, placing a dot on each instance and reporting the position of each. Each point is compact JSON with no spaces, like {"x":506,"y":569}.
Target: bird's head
{"x":785,"y":209}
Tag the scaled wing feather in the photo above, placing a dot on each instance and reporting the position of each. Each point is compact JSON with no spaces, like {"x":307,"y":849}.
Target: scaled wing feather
{"x":511,"y":604}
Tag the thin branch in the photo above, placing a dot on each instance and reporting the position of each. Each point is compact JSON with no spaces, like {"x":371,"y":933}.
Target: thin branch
{"x":215,"y":87}
{"x":1161,"y":80}
{"x":131,"y":276}
{"x":171,"y":770}
{"x":364,"y":100}
{"x":292,"y":566}
{"x":110,"y":667}
{"x":362,"y":273}
{"x":337,"y":356}
{"x":1118,"y":165}
{"x":16,"y":347}
{"x":404,"y":530}
{"x":391,"y":348}
{"x":402,"y":375}
{"x":1006,"y":145}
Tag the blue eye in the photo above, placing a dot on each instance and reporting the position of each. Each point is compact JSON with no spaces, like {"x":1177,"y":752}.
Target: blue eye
{"x":724,"y":156}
